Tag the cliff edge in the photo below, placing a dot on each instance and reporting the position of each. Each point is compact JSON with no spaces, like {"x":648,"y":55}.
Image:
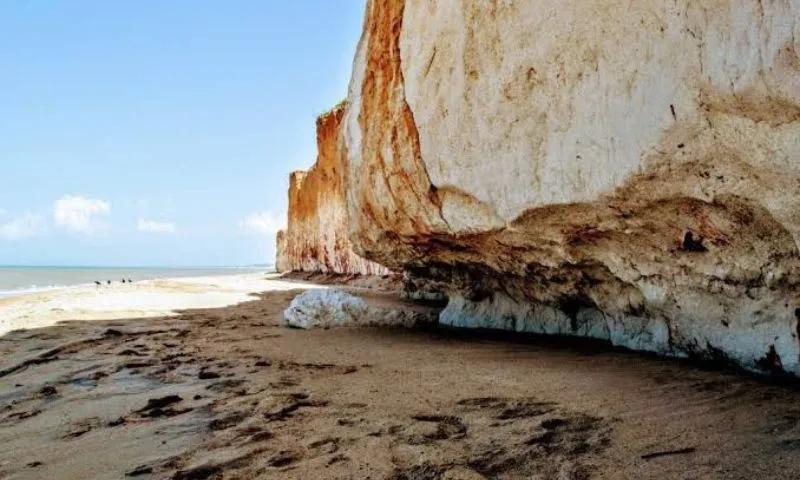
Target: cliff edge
{"x":316,"y":237}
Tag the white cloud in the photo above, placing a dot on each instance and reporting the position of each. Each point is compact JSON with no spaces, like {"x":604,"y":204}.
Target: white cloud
{"x":265,"y":223}
{"x":78,"y":213}
{"x":156,"y":227}
{"x":25,"y":226}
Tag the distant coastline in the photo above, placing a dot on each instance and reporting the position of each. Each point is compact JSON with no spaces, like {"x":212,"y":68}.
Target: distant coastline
{"x":25,"y":279}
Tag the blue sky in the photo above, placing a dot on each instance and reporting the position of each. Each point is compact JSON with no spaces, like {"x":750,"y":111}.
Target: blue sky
{"x":160,"y":132}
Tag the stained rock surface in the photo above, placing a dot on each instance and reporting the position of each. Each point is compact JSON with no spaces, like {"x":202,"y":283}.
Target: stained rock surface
{"x":316,"y":238}
{"x":625,"y":171}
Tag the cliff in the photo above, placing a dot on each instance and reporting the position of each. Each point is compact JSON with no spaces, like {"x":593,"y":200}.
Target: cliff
{"x":282,"y":263}
{"x":628,"y":171}
{"x":316,"y":238}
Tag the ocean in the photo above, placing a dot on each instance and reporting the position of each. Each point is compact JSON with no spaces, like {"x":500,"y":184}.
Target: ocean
{"x":18,"y":280}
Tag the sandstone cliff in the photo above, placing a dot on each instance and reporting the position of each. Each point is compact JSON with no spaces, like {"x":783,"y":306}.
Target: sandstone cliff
{"x":316,"y":237}
{"x":282,"y":263}
{"x":628,"y":171}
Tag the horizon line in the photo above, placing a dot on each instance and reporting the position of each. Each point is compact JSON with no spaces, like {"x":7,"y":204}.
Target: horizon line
{"x":30,"y":265}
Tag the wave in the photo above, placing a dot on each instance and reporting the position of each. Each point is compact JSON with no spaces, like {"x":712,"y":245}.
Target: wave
{"x":33,"y":289}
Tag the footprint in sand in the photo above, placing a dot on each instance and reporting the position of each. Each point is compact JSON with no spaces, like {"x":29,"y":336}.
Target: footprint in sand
{"x":497,"y":438}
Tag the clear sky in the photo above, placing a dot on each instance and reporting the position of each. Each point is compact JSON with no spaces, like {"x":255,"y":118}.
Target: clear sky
{"x":155,"y":132}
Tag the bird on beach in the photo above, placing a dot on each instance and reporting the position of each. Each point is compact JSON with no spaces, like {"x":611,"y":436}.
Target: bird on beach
{"x":108,"y":281}
{"x":98,"y":283}
{"x":123,"y":280}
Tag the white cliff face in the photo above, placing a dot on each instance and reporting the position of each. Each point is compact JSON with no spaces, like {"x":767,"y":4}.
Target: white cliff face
{"x":621,"y":170}
{"x":527,"y":103}
{"x":737,"y":343}
{"x":503,"y":313}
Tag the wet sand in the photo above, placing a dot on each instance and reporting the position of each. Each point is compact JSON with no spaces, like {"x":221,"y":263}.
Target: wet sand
{"x":231,"y":393}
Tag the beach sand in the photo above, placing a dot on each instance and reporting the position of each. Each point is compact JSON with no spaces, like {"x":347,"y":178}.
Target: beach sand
{"x":147,"y":298}
{"x":231,"y":393}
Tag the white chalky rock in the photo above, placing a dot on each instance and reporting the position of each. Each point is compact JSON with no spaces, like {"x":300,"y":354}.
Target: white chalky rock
{"x":322,"y":308}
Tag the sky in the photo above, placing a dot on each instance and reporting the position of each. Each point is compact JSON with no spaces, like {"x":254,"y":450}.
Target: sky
{"x":154,"y":133}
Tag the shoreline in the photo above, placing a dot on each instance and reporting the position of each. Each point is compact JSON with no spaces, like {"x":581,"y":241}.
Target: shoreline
{"x":47,"y":278}
{"x":141,"y":299}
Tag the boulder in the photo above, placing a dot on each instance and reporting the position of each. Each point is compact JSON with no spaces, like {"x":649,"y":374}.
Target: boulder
{"x":333,"y":308}
{"x":324,"y":308}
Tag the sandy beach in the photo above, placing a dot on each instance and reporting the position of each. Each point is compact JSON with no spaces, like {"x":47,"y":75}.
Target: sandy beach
{"x":147,"y":298}
{"x":232,"y":393}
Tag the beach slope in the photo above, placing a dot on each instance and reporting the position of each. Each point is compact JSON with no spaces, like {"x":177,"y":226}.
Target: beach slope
{"x":232,"y":393}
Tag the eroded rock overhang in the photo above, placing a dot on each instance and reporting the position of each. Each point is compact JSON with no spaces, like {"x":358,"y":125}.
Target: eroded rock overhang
{"x":624,"y":171}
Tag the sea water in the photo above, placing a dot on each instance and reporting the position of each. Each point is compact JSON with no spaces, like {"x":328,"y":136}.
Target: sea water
{"x":15,"y":280}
